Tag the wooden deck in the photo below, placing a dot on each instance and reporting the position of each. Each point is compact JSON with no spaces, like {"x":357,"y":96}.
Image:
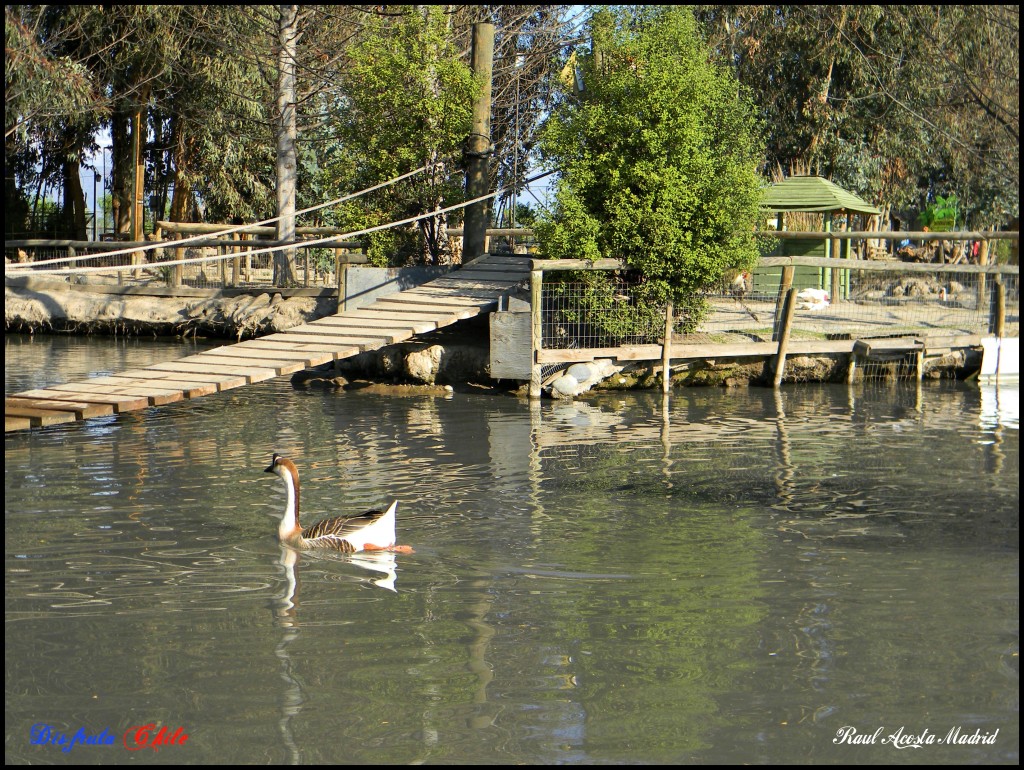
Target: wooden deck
{"x":473,"y":289}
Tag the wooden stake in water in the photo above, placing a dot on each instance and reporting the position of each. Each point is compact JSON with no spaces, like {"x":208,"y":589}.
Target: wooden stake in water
{"x":787,"y":322}
{"x":666,"y":349}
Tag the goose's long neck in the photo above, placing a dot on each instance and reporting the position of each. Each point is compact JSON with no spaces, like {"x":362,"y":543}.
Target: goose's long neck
{"x":289,"y":526}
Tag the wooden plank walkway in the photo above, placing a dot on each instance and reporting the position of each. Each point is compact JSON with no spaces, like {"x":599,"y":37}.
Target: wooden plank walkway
{"x":473,"y":289}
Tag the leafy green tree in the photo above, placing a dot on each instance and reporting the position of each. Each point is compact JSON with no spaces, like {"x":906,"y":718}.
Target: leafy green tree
{"x":407,"y":103}
{"x":899,"y":103}
{"x":657,"y":157}
{"x":43,"y":81}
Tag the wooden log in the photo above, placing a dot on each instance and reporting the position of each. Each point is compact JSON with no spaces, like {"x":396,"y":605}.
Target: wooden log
{"x":121,"y":403}
{"x":81,"y":409}
{"x":999,"y":310}
{"x":190,"y":389}
{"x":787,"y":323}
{"x":16,"y":423}
{"x":40,"y":418}
{"x":156,"y":396}
{"x":249,"y":374}
{"x":785,"y":284}
{"x":549,"y":265}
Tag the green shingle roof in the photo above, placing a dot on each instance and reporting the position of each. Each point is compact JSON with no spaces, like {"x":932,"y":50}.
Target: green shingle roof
{"x":813,"y":193}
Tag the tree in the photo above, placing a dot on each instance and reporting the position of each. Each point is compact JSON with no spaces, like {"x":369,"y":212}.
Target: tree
{"x":899,"y":103}
{"x":657,"y":159}
{"x":407,"y":103}
{"x":42,"y":80}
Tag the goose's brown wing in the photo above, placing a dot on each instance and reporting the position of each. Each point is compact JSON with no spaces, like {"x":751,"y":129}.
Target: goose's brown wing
{"x":339,"y":526}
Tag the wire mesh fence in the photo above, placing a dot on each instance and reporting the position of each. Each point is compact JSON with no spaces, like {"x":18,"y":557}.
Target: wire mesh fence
{"x":599,"y":311}
{"x":874,"y":303}
{"x":604,"y":311}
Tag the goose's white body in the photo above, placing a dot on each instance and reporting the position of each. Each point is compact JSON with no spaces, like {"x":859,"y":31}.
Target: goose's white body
{"x":812,"y":299}
{"x":373,"y":530}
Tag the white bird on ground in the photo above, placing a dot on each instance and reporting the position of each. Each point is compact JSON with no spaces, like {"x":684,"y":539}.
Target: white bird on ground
{"x":812,"y":299}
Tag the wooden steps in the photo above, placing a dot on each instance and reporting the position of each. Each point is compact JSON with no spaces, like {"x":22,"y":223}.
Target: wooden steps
{"x":473,"y":289}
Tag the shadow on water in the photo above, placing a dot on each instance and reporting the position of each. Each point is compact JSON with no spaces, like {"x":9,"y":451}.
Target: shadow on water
{"x":722,"y":576}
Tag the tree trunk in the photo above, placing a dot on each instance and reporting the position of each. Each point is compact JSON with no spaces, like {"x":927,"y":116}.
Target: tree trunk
{"x":437,"y":245}
{"x":74,"y":201}
{"x":181,"y":198}
{"x":288,"y":36}
{"x":121,"y":172}
{"x":478,"y":146}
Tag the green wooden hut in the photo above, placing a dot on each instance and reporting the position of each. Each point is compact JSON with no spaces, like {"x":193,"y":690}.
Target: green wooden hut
{"x":807,"y":194}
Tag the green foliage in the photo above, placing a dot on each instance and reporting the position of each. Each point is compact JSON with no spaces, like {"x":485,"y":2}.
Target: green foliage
{"x":942,"y":215}
{"x":43,"y":83}
{"x":894,"y":102}
{"x":407,"y":103}
{"x":657,"y":159}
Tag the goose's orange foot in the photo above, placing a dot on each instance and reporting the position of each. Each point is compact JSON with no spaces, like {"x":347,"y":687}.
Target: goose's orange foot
{"x":392,"y":548}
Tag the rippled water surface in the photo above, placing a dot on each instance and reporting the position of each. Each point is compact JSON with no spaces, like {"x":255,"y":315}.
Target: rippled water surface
{"x":734,"y":576}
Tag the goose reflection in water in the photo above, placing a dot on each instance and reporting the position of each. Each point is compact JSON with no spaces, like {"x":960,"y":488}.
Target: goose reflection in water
{"x":382,"y":566}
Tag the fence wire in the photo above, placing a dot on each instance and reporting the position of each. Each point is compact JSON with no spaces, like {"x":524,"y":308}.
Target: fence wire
{"x":865,"y":304}
{"x":604,"y":311}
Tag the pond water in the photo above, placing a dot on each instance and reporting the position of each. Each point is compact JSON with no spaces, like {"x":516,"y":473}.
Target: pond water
{"x":817,"y":575}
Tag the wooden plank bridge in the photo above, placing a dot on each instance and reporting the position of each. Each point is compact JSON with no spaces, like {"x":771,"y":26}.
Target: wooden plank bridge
{"x":473,"y":289}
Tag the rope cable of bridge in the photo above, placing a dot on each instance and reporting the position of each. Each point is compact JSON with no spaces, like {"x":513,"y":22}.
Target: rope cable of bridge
{"x":178,"y":243}
{"x":269,"y":249}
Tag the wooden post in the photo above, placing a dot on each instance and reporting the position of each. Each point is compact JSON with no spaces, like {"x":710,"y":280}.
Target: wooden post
{"x":160,"y":254}
{"x":340,"y":276}
{"x":536,"y":331}
{"x":787,"y":321}
{"x":982,"y":278}
{"x":478,"y":148}
{"x":785,"y":284}
{"x":177,"y":270}
{"x":666,"y":349}
{"x":137,"y":164}
{"x":286,"y":134}
{"x":236,"y":264}
{"x":138,"y":186}
{"x":248,"y":259}
{"x":998,"y":323}
{"x":836,"y":278}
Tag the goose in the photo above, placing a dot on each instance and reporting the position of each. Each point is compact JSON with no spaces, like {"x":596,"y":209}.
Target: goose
{"x":812,"y":299}
{"x":370,"y":531}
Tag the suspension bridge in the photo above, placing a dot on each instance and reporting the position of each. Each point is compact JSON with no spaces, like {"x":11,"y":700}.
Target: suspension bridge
{"x":474,"y":288}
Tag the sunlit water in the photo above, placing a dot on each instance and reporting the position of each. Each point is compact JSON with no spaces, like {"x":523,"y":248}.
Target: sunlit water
{"x":734,"y":577}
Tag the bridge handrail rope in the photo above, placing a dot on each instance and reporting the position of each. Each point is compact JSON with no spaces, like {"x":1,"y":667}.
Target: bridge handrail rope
{"x":27,"y":270}
{"x":178,"y":243}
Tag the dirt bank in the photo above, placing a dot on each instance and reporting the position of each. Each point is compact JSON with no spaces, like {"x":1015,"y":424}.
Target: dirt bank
{"x":39,"y":306}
